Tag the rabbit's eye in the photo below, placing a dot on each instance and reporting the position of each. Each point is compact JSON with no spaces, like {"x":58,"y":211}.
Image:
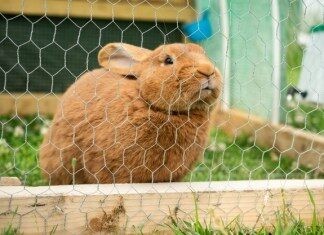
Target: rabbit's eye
{"x":168,"y":60}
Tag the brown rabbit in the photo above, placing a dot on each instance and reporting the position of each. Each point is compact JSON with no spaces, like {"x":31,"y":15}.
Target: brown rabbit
{"x":143,"y":117}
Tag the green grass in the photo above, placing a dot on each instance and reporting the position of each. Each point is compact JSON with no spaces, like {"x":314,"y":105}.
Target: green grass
{"x":10,"y":231}
{"x":285,"y":224}
{"x":19,"y":142}
{"x":306,"y":117}
{"x":241,"y":159}
{"x":225,"y":158}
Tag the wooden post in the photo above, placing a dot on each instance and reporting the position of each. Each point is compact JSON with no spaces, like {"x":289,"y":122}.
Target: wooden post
{"x":9,"y":181}
{"x":179,"y":10}
{"x":29,"y":104}
{"x":134,"y":208}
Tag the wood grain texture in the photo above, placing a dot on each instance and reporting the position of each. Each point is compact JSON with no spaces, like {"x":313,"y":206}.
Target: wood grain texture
{"x":9,"y":181}
{"x":171,"y":11}
{"x":130,"y":208}
{"x":28,"y":103}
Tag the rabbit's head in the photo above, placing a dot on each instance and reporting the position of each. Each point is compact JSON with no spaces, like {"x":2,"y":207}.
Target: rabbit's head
{"x":174,"y":77}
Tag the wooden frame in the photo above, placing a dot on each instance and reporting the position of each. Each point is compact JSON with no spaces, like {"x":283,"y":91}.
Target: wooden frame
{"x":305,"y":147}
{"x":134,"y":208}
{"x":175,"y":10}
{"x":29,"y":103}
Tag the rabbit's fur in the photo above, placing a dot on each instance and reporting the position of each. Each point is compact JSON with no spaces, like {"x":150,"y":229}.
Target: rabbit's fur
{"x":139,"y":118}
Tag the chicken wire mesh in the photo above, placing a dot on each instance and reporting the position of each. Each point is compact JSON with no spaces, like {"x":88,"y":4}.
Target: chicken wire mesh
{"x":143,"y":116}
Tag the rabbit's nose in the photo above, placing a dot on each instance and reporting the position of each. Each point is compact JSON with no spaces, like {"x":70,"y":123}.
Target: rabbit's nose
{"x":208,"y":76}
{"x":206,"y":70}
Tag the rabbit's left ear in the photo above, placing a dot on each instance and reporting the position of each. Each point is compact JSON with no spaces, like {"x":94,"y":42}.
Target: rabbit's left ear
{"x":121,"y":57}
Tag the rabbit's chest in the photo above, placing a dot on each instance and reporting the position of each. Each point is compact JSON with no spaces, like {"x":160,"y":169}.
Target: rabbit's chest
{"x":169,"y":148}
{"x":171,"y":135}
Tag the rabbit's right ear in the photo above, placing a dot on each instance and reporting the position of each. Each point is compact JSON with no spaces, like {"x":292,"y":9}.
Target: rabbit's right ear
{"x":121,"y":57}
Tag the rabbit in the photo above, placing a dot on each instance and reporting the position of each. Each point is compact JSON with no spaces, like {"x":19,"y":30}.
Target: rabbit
{"x":144,"y":116}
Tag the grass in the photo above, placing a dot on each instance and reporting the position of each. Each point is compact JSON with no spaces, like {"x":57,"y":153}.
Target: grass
{"x":19,"y":142}
{"x":225,"y":158}
{"x":285,"y":223}
{"x":306,"y":117}
{"x":289,"y":225}
{"x":10,"y":231}
{"x":241,"y":159}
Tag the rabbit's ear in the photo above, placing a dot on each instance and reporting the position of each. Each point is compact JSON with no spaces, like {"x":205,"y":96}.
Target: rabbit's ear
{"x":121,"y":57}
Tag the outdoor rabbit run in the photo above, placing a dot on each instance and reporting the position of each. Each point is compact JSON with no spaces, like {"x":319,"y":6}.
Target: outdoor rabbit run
{"x":184,"y":117}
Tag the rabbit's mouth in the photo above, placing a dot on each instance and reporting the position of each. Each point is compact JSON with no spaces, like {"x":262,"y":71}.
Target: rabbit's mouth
{"x":208,"y":85}
{"x":207,"y":88}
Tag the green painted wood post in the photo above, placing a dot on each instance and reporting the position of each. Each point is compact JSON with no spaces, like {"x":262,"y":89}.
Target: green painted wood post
{"x":251,"y":52}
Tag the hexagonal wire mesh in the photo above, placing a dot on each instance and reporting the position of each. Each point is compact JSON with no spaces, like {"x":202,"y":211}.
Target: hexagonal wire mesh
{"x":151,"y":115}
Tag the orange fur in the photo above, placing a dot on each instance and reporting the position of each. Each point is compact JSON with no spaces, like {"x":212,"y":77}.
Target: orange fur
{"x":152,"y":129}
